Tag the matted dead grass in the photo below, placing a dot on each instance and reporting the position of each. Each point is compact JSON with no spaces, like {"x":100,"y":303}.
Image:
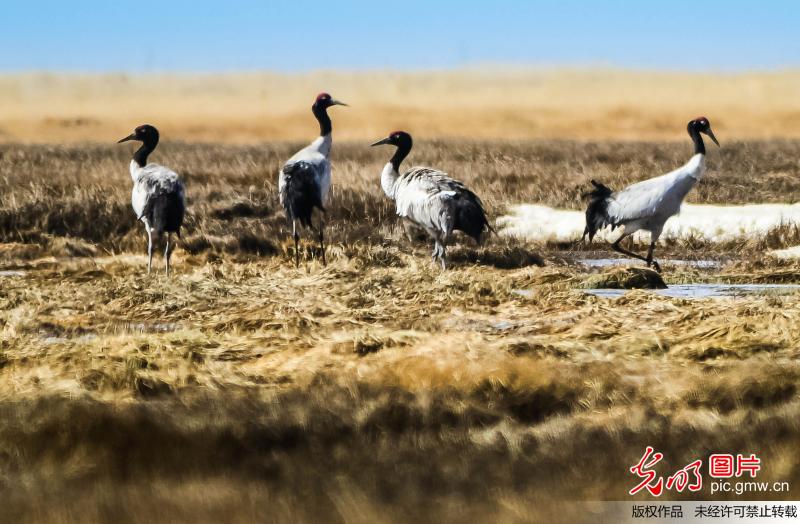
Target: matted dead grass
{"x":364,"y":391}
{"x":378,"y":388}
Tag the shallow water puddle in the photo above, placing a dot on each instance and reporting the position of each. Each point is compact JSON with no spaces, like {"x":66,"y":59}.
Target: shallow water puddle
{"x":462,"y":323}
{"x":12,"y":273}
{"x":54,"y":339}
{"x":611,"y":262}
{"x":143,"y":327}
{"x":114,"y":328}
{"x":709,"y":290}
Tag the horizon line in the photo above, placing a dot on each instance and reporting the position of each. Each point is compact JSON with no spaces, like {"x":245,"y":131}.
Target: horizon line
{"x":491,"y":67}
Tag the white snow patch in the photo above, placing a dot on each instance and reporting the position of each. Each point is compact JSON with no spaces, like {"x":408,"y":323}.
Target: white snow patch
{"x":790,"y":253}
{"x":711,"y":223}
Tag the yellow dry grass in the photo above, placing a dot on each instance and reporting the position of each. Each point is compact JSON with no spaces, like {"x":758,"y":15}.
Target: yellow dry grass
{"x":378,"y":388}
{"x":359,"y":392}
{"x":478,"y":103}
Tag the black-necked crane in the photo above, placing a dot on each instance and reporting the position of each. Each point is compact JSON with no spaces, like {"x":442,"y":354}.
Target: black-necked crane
{"x":158,"y":196}
{"x":305,"y":179}
{"x":431,"y":199}
{"x":649,"y":204}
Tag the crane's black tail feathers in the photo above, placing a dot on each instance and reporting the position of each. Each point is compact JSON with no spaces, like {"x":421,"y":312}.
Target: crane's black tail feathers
{"x":470,"y":216}
{"x":167,"y":213}
{"x":301,"y":193}
{"x":597,"y":210}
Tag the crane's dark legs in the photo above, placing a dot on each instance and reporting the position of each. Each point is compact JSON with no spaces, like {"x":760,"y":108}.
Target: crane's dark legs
{"x":167,"y":253}
{"x":439,"y":251}
{"x":444,"y":238}
{"x":440,"y":246}
{"x":322,"y":240}
{"x":649,"y":259}
{"x":435,"y":236}
{"x":296,"y":237}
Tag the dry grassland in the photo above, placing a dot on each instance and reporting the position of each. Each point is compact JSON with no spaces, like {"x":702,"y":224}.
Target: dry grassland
{"x":378,"y":388}
{"x":483,"y":104}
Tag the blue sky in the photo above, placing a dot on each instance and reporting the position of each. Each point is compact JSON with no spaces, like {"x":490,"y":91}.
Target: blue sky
{"x":204,"y":35}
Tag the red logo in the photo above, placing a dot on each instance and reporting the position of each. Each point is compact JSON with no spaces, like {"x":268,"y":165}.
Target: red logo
{"x":720,"y":465}
{"x":751,"y":464}
{"x":681,"y":479}
{"x":642,"y":469}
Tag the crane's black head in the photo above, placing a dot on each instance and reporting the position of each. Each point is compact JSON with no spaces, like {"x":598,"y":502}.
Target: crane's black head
{"x":324,"y":101}
{"x":701,"y":124}
{"x":320,"y":110}
{"x":399,"y":139}
{"x":148,"y":136}
{"x":145,"y":133}
{"x":402,"y":141}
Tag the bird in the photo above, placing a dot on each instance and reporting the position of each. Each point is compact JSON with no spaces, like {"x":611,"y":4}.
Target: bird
{"x":158,"y":197}
{"x":305,"y":179}
{"x":647,"y":205}
{"x":431,"y":199}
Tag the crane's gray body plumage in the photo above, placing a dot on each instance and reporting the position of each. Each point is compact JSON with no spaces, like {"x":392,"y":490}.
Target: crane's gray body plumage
{"x":646,"y":205}
{"x":430,"y":198}
{"x":158,"y":197}
{"x":305,"y":180}
{"x":159,"y":200}
{"x":436,"y":202}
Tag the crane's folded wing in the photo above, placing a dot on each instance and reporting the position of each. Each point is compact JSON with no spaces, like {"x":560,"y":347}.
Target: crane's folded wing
{"x":155,"y":180}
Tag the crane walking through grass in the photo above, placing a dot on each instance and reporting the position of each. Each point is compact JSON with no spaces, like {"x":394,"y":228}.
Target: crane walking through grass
{"x":305,"y":179}
{"x":431,"y":199}
{"x":649,"y":204}
{"x":158,"y":196}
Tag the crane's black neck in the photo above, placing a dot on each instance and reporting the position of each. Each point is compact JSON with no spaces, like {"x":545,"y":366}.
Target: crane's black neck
{"x":699,"y":146}
{"x":403,"y":149}
{"x":141,"y":154}
{"x":321,"y":113}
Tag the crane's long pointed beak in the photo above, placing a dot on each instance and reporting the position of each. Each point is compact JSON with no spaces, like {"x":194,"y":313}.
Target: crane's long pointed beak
{"x":335,"y":102}
{"x":712,"y":137}
{"x":127,"y":138}
{"x":380,"y":142}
